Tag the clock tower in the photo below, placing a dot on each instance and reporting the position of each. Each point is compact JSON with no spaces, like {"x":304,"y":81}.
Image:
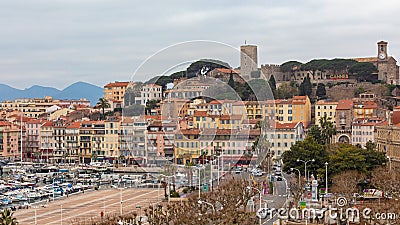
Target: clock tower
{"x":382,"y":51}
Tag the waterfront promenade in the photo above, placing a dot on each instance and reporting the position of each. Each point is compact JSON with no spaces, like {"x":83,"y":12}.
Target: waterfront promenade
{"x":84,"y":206}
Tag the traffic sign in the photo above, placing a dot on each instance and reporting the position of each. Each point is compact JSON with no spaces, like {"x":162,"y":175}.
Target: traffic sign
{"x":303,"y":205}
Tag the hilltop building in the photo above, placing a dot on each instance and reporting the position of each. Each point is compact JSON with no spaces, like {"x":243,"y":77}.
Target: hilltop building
{"x":248,"y":62}
{"x":388,"y":70}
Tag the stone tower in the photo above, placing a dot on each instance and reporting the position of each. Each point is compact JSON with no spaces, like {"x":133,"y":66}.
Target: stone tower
{"x":248,"y":61}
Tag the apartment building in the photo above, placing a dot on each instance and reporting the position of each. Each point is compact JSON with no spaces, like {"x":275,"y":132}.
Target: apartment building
{"x":282,"y":136}
{"x":10,"y":137}
{"x":133,"y":139}
{"x":301,"y":107}
{"x":72,"y":141}
{"x":149,"y":92}
{"x":363,"y":130}
{"x":47,"y":142}
{"x":115,"y":91}
{"x":327,"y":108}
{"x":111,"y":148}
{"x":30,"y":107}
{"x":160,"y":141}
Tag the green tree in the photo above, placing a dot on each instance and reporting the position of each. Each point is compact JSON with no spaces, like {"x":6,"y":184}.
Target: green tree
{"x":272,"y":83}
{"x":306,"y":87}
{"x":345,"y":157}
{"x":359,"y":91}
{"x":321,"y":91}
{"x":103,"y":104}
{"x":363,"y":71}
{"x":195,"y":68}
{"x":7,"y":218}
{"x":315,"y":133}
{"x":370,"y":145}
{"x":288,"y":66}
{"x":305,"y":150}
{"x":327,"y":129}
{"x":151,"y":104}
{"x":231,"y":82}
{"x":286,"y":91}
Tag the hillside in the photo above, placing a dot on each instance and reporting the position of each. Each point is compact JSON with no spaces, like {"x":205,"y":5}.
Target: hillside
{"x":74,"y":91}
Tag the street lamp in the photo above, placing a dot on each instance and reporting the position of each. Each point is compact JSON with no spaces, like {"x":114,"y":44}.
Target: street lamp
{"x":291,"y":169}
{"x":259,"y":191}
{"x":305,"y":166}
{"x":169,"y":194}
{"x":390,"y":162}
{"x":120,"y":198}
{"x":326,"y":180}
{"x":199,"y":168}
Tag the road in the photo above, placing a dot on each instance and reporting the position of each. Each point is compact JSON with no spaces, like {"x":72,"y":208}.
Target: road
{"x":276,"y":201}
{"x":88,"y":205}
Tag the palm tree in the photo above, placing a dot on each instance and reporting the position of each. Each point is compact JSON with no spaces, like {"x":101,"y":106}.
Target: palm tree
{"x":327,"y":129}
{"x":7,"y":218}
{"x":102,"y":104}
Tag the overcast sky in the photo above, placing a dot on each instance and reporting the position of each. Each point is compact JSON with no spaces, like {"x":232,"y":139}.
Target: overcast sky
{"x":56,"y":43}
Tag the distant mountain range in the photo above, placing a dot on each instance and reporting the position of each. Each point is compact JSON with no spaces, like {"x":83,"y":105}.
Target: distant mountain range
{"x":74,"y":91}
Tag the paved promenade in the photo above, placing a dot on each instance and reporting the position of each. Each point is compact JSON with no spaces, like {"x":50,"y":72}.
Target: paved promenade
{"x":88,"y":205}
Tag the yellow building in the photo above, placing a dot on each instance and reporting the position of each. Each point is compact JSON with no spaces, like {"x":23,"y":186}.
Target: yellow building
{"x":327,"y":108}
{"x":202,"y":120}
{"x":365,"y":109}
{"x":111,"y":138}
{"x":301,"y":106}
{"x":284,"y":110}
{"x":187,"y":146}
{"x":31,"y":107}
{"x":254,"y":109}
{"x":85,"y":142}
{"x":115,"y":92}
{"x":282,"y":136}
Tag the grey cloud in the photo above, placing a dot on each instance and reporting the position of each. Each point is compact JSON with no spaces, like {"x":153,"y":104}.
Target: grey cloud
{"x":102,"y":41}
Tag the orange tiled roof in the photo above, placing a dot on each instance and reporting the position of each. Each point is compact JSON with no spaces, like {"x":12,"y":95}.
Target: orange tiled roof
{"x":117,"y":84}
{"x":200,"y":113}
{"x":47,"y":124}
{"x":74,"y":125}
{"x":290,"y":125}
{"x":396,"y":117}
{"x":344,"y":104}
{"x":4,"y":123}
{"x":215,"y":102}
{"x":189,"y":131}
{"x":323,"y":102}
{"x":224,"y":70}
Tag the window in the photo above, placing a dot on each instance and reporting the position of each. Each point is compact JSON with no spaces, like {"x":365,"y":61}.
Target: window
{"x":279,"y":136}
{"x":289,"y":111}
{"x":290,"y":118}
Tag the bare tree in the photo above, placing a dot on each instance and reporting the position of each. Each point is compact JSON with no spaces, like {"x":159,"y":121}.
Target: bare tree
{"x":346,"y":183}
